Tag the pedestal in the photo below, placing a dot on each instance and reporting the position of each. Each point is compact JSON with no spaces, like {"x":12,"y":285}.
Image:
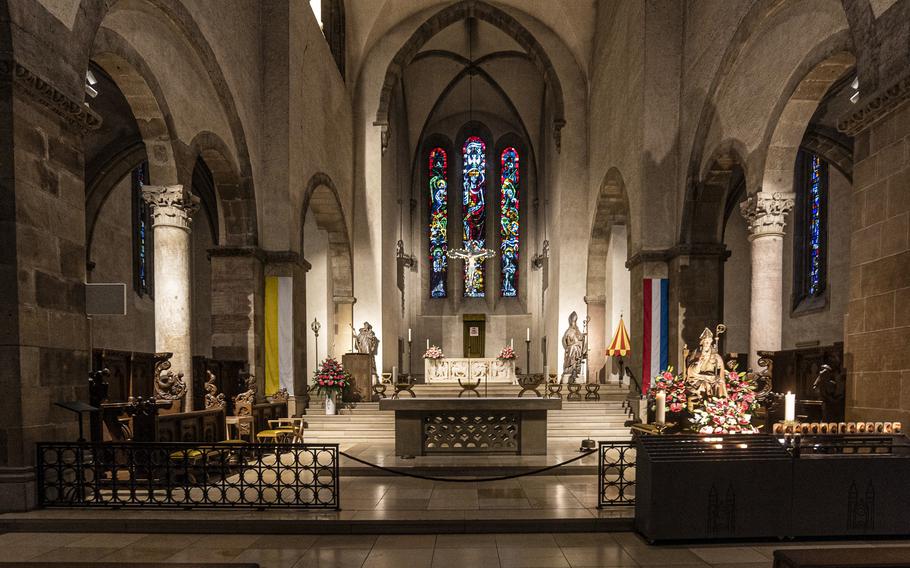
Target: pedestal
{"x":358,"y":365}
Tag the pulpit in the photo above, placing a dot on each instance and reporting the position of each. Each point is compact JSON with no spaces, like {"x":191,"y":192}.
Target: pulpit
{"x":358,"y":365}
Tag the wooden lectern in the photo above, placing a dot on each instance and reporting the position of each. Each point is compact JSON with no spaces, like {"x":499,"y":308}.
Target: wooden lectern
{"x":358,"y":365}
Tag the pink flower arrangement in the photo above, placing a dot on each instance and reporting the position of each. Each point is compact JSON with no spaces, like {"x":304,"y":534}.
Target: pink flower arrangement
{"x":506,"y":354}
{"x":741,"y":390}
{"x":433,"y":353}
{"x":330,"y":378}
{"x":675,"y":388}
{"x":723,"y":416}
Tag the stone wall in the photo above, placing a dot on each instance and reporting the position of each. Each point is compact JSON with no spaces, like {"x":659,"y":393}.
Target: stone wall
{"x":878,"y":319}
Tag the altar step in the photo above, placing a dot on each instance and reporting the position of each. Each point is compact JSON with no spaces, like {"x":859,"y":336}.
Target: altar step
{"x":364,"y":422}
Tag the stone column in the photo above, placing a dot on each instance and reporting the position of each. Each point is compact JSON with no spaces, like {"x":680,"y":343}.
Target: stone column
{"x":766,"y":215}
{"x":172,"y":211}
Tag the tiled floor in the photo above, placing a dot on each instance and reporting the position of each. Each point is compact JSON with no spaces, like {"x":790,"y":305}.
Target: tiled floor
{"x":402,"y":551}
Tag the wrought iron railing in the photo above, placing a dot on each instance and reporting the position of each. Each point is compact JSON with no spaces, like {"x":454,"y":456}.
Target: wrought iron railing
{"x":616,"y":473}
{"x":188,"y":475}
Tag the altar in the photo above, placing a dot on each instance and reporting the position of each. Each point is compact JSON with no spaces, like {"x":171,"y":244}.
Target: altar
{"x":470,"y":425}
{"x":450,"y":370}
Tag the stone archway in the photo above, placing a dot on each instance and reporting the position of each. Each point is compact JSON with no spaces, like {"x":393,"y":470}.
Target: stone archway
{"x":492,"y":15}
{"x":321,"y":199}
{"x":607,"y":280}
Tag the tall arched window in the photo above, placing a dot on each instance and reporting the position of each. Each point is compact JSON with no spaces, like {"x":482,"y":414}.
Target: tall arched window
{"x":474,"y":160}
{"x":811,"y":231}
{"x":439,"y":206}
{"x":508,"y":222}
{"x":142,"y":232}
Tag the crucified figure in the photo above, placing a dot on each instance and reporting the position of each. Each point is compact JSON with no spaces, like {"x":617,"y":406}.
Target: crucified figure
{"x":471,"y":255}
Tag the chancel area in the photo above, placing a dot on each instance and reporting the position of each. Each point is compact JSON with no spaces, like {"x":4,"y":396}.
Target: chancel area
{"x":288,"y":277}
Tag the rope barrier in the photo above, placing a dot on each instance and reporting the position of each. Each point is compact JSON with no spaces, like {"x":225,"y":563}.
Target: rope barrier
{"x":462,"y":479}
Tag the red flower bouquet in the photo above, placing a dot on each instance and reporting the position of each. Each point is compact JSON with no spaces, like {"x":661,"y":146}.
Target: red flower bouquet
{"x":331,"y":378}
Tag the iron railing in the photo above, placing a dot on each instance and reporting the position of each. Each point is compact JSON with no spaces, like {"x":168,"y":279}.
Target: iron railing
{"x":188,"y":475}
{"x":616,"y":473}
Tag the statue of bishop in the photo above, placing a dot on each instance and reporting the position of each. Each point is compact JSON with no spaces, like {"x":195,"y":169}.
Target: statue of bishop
{"x":365,"y":341}
{"x":575,"y":344}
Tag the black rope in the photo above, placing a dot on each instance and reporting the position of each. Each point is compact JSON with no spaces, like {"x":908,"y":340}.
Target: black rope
{"x":463,"y":479}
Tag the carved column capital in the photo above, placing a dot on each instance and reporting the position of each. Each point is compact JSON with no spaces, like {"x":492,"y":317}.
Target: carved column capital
{"x":172,"y":205}
{"x":766,"y":213}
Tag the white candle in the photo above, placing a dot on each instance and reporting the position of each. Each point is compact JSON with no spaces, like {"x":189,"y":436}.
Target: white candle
{"x":394,"y":375}
{"x":409,"y":335}
{"x":512,"y":343}
{"x":528,"y":336}
{"x":428,"y":343}
{"x":660,"y":413}
{"x":790,"y":407}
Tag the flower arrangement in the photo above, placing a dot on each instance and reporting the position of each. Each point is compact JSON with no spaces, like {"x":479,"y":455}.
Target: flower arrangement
{"x":330,"y":378}
{"x":433,"y":353}
{"x":723,"y":416}
{"x":741,"y":390}
{"x":506,"y":354}
{"x":675,"y":388}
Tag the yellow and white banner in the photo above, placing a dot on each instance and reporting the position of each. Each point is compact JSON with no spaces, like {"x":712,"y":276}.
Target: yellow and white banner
{"x":279,"y":334}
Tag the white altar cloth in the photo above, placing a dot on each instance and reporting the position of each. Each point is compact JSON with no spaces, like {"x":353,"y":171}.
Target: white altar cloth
{"x":449,"y":370}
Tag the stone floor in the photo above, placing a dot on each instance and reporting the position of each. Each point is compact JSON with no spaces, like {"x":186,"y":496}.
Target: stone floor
{"x":398,"y":551}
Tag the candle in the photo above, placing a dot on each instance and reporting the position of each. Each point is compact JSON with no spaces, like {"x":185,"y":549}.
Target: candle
{"x":428,"y":343}
{"x":790,"y":407}
{"x":512,"y":343}
{"x":394,"y":375}
{"x":528,"y":336}
{"x":409,"y":335}
{"x":660,"y":413}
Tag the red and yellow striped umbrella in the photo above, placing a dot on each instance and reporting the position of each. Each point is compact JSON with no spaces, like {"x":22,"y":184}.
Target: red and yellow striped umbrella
{"x":621,"y":344}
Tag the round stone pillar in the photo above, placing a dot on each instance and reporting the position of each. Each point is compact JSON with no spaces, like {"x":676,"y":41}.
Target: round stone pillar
{"x":766,"y":215}
{"x":172,"y":210}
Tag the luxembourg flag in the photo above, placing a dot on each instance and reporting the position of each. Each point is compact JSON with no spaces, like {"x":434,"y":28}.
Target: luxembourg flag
{"x":656,"y":330}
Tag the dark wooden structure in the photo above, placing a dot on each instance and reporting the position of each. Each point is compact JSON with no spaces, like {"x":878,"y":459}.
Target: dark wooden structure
{"x":470,"y":425}
{"x":755,"y":486}
{"x":795,"y":370}
{"x":229,"y":378}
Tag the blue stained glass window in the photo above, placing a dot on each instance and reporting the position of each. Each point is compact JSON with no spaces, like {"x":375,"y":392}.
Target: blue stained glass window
{"x":143,"y":231}
{"x":509,"y":222}
{"x":474,"y":161}
{"x":439,"y":198}
{"x":814,"y":206}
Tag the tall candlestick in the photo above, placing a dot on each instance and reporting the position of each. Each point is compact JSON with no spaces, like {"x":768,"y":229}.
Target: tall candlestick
{"x":528,"y":336}
{"x":661,"y":410}
{"x":790,"y":407}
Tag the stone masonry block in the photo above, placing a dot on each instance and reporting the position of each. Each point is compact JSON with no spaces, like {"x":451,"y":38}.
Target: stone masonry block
{"x":879,"y":313}
{"x":875,"y":208}
{"x":902,"y":308}
{"x":895,"y":233}
{"x":886,"y":274}
{"x":866,"y":245}
{"x":879,"y":389}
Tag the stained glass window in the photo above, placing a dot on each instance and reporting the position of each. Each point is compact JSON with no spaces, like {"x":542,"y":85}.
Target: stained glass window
{"x":508,"y":221}
{"x":474,"y":161}
{"x":810,"y":237}
{"x":439,"y":199}
{"x":814,"y":221}
{"x":142,"y":232}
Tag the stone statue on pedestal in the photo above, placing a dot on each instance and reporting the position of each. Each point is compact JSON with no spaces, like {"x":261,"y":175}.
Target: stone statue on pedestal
{"x":365,"y":341}
{"x":705,"y":369}
{"x":575,"y":344}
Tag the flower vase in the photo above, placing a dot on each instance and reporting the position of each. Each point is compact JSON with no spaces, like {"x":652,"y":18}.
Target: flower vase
{"x":330,"y":404}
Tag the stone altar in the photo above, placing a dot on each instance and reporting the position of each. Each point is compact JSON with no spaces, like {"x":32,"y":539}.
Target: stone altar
{"x":470,"y":425}
{"x":450,"y":370}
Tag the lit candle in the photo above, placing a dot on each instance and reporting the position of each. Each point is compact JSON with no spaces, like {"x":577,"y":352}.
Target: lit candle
{"x":790,"y":407}
{"x":428,"y":343}
{"x":394,"y":375}
{"x":528,"y":336}
{"x":409,"y":335}
{"x":512,"y":343}
{"x":660,"y":413}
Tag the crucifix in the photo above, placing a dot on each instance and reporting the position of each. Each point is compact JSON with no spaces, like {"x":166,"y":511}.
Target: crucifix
{"x":472,"y":254}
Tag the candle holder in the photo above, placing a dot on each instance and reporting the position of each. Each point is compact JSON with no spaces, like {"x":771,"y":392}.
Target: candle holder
{"x":316,"y":326}
{"x":527,"y":356}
